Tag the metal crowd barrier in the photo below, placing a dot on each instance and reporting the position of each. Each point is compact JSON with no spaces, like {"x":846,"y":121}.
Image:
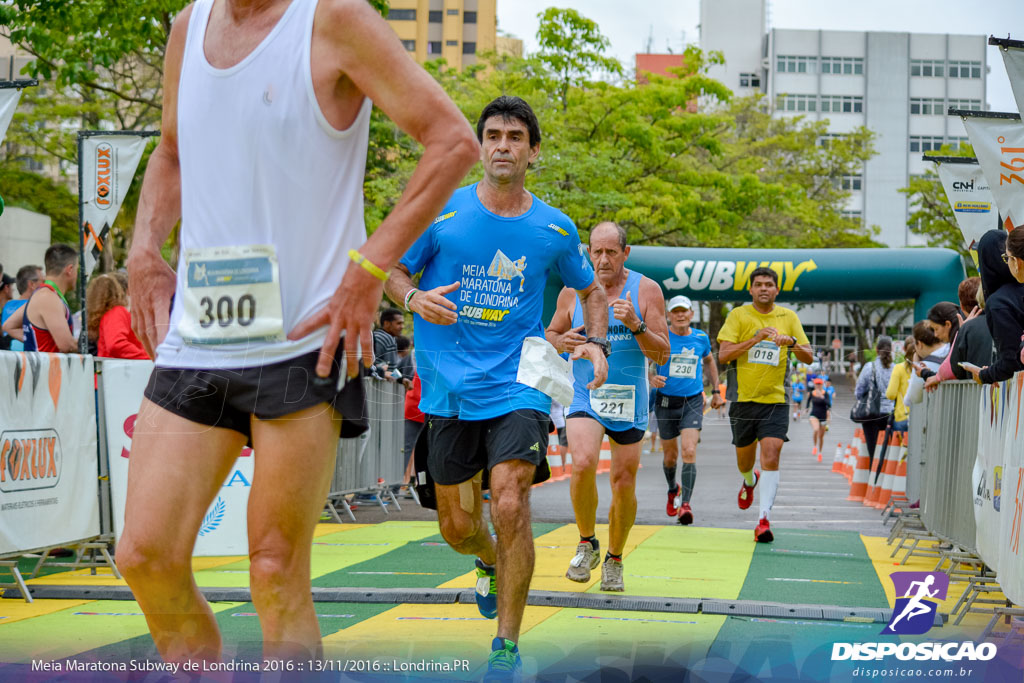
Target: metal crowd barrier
{"x":947,"y":447}
{"x":375,"y":462}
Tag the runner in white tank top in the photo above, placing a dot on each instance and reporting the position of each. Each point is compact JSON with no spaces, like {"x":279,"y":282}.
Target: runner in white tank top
{"x":264,"y":135}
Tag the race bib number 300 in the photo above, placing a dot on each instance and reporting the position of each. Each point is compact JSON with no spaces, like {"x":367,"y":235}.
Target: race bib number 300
{"x":683,"y":366}
{"x":764,"y":353}
{"x":614,"y":401}
{"x":232,"y":296}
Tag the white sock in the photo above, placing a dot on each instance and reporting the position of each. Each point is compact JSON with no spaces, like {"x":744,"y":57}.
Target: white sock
{"x":769,"y":485}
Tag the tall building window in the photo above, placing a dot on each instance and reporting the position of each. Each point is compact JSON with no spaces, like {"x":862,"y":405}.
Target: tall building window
{"x":974,"y":105}
{"x":468,"y":48}
{"x":409,"y":45}
{"x":842,"y":104}
{"x":842,"y":65}
{"x":434,"y":47}
{"x":434,"y":16}
{"x":750,"y":81}
{"x":848,"y":182}
{"x":927,"y":67}
{"x":469,"y":17}
{"x":797,"y":64}
{"x":452,"y":12}
{"x":964,"y":69}
{"x":927,"y":106}
{"x":852,"y":215}
{"x":402,"y":15}
{"x":826,"y":139}
{"x":925,"y":143}
{"x":797,"y":103}
{"x":451,"y":43}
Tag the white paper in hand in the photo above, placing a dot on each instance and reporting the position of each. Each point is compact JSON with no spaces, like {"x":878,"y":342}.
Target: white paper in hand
{"x":542,"y":368}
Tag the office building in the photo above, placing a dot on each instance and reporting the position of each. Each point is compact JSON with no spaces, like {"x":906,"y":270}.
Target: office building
{"x":455,"y":30}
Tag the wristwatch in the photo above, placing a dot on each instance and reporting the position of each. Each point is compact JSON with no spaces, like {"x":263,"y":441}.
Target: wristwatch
{"x":640,"y":330}
{"x":603,"y":343}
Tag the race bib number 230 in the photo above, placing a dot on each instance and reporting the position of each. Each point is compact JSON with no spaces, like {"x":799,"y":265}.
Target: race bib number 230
{"x":232,"y":296}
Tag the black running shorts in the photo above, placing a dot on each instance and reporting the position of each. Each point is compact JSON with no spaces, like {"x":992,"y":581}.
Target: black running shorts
{"x":674,"y":414}
{"x":623,"y":437}
{"x":458,"y":449}
{"x":755,"y":421}
{"x":228,"y":398}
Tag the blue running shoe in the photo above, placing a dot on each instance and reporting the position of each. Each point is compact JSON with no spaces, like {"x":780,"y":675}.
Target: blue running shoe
{"x":504,"y":664}
{"x":486,"y":589}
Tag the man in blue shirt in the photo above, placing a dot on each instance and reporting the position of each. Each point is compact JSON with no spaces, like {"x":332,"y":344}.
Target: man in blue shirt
{"x":485,"y":263}
{"x":28,"y":280}
{"x":679,"y":407}
{"x":637,"y":333}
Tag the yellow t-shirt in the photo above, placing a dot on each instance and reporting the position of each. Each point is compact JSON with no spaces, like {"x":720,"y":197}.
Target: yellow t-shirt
{"x":897,"y":389}
{"x":760,"y":380}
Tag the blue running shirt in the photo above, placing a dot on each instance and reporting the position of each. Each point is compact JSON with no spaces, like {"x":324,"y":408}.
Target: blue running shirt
{"x":469,"y":369}
{"x":685,"y":369}
{"x":627,"y":367}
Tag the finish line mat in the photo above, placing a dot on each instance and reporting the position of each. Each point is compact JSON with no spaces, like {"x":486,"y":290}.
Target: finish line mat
{"x":713,"y":566}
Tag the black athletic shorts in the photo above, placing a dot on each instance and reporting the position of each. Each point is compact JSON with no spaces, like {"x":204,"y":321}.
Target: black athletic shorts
{"x":458,"y":449}
{"x":623,"y":437}
{"x":755,"y":421}
{"x":676,"y":413}
{"x":228,"y":398}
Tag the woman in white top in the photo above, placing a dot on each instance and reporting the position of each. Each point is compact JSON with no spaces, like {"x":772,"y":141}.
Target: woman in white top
{"x":930,"y":352}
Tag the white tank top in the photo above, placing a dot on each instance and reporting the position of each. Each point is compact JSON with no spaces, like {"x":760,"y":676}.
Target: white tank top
{"x":261,"y":165}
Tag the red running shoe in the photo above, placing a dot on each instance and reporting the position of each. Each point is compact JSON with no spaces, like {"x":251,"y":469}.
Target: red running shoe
{"x":672,"y":507}
{"x":763,"y":534}
{"x":746,"y":496}
{"x":685,"y":514}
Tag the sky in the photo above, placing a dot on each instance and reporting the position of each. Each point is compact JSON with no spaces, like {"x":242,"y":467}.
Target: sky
{"x":629,"y":24}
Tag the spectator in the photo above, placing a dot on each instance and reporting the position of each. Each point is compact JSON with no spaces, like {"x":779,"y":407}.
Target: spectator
{"x":877,"y":372}
{"x":385,"y":348}
{"x":944,"y":318}
{"x":6,"y":295}
{"x":929,"y":352}
{"x":13,"y":317}
{"x":1004,"y":304}
{"x":414,"y":420}
{"x":898,"y":384}
{"x":1015,"y":262}
{"x":47,"y":311}
{"x":405,"y":359}
{"x":110,"y":323}
{"x":973,"y":344}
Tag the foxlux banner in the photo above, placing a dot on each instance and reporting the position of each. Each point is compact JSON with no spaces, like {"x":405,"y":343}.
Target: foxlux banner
{"x":1013,"y":60}
{"x":999,"y":145}
{"x":9,"y":98}
{"x":48,"y":486}
{"x":108,"y":166}
{"x":223,"y":530}
{"x":970,"y":198}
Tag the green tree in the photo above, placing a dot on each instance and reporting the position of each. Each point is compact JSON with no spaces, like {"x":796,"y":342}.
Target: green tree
{"x":42,"y":195}
{"x":573,"y":48}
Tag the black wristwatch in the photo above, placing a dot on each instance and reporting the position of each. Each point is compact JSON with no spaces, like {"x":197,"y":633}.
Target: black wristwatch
{"x":640,"y":330}
{"x":603,"y":343}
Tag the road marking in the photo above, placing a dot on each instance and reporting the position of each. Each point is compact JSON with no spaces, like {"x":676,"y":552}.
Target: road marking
{"x":810,"y":552}
{"x":847,"y":583}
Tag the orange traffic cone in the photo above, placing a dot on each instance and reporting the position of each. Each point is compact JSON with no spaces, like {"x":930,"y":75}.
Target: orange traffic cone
{"x":837,"y":460}
{"x":859,"y":481}
{"x":604,"y":463}
{"x":888,"y":475}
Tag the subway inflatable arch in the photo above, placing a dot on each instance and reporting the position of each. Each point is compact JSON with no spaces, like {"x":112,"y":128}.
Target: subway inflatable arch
{"x":926,"y":275}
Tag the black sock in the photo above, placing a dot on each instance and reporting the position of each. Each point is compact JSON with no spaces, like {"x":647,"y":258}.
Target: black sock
{"x":609,"y":556}
{"x":688,"y":476}
{"x":670,"y":476}
{"x":592,"y":540}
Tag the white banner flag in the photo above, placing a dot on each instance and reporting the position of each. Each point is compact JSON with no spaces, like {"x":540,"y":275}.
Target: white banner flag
{"x":987,"y":479}
{"x":970,"y":198}
{"x":108,"y":166}
{"x":223,"y":531}
{"x":1011,"y":493}
{"x":999,"y":145}
{"x":1013,"y":60}
{"x":48,"y":478}
{"x":9,"y":98}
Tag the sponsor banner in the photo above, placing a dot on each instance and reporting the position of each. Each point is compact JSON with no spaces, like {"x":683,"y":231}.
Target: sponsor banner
{"x":9,"y":98}
{"x":970,"y":198}
{"x":1013,"y":60}
{"x":1011,"y":493}
{"x":48,"y":485}
{"x":999,"y":145}
{"x":986,"y":480}
{"x":108,"y":166}
{"x":223,"y":530}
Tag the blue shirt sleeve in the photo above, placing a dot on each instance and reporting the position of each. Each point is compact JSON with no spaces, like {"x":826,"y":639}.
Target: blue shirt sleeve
{"x":421,"y":252}
{"x":707,"y":346}
{"x":573,"y":265}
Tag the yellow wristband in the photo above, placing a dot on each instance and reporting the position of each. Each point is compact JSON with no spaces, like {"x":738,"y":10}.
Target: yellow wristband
{"x":369,"y":266}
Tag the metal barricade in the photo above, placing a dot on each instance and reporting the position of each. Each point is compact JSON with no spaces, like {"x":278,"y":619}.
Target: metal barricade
{"x":946,"y":449}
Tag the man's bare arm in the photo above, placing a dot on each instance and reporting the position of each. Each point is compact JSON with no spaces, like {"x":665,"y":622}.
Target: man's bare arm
{"x":804,"y":353}
{"x":50,"y":310}
{"x":431,"y":305}
{"x":729,"y":351}
{"x":594,"y":303}
{"x":654,"y":343}
{"x":560,"y":332}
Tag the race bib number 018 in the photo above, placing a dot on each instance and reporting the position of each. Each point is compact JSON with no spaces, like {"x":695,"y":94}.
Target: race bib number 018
{"x":232,"y":296}
{"x":683,"y":366}
{"x":614,"y":401}
{"x":764,"y":353}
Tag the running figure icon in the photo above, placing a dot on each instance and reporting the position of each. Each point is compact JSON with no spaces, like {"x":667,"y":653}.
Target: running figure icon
{"x":916,"y":605}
